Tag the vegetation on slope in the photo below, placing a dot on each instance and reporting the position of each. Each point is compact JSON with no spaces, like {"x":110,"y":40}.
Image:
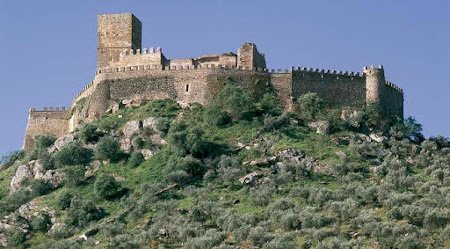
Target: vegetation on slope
{"x":342,"y":189}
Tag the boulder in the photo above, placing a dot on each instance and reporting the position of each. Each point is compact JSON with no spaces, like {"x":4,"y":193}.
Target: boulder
{"x":250,"y":178}
{"x":129,"y":129}
{"x":54,"y":177}
{"x":147,"y":153}
{"x":61,"y":142}
{"x":23,"y":172}
{"x":149,"y":123}
{"x":320,"y":127}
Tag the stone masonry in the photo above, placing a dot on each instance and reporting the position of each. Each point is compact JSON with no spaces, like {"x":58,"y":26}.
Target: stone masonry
{"x":127,"y":71}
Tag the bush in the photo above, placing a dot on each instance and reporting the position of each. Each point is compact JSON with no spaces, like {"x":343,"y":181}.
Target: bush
{"x":259,"y":236}
{"x":235,"y":101}
{"x":74,"y":175}
{"x":290,"y":221}
{"x":269,"y":105}
{"x":63,"y":200}
{"x":72,"y":154}
{"x":41,"y":144}
{"x":188,"y":138}
{"x":163,"y":125}
{"x":108,"y":149}
{"x":136,"y":159}
{"x":89,"y":133}
{"x":81,"y":212}
{"x":214,"y":115}
{"x":210,"y":239}
{"x":106,"y":187}
{"x":16,"y":237}
{"x":179,"y":177}
{"x":38,"y":187}
{"x":310,"y":105}
{"x":188,"y":164}
{"x":40,"y":223}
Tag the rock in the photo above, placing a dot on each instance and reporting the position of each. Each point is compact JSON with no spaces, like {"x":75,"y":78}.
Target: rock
{"x":149,"y":123}
{"x":22,"y":173}
{"x":92,"y":168}
{"x":260,"y":162}
{"x":56,"y":229}
{"x":377,"y":137}
{"x":54,"y":177}
{"x":163,"y":232}
{"x":147,"y":153}
{"x":28,"y":210}
{"x":38,"y":169}
{"x":341,"y":155}
{"x":240,"y":145}
{"x":61,"y":142}
{"x":250,"y":178}
{"x":320,"y":127}
{"x":129,"y":129}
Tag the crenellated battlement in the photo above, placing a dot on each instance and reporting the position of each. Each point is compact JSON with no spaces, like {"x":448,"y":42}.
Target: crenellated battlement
{"x":50,"y":109}
{"x":137,"y":52}
{"x":393,"y":86}
{"x":327,"y":71}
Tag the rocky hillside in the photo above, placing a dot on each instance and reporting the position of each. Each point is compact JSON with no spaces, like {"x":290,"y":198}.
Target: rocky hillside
{"x":239,"y":173}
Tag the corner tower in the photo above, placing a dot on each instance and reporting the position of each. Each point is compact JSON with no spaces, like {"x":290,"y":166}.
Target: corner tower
{"x":374,"y":84}
{"x":116,"y":33}
{"x":249,"y":57}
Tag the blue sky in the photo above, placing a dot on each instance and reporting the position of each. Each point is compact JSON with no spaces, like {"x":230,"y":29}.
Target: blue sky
{"x":48,"y":48}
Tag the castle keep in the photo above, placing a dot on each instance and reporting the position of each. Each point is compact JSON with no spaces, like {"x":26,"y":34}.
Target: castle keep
{"x":126,"y":71}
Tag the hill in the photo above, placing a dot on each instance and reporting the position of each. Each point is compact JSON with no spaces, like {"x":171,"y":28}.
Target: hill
{"x":237,"y":173}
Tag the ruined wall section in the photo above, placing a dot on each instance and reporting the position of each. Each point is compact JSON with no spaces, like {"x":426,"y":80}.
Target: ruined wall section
{"x":152,"y":56}
{"x":51,"y":121}
{"x":336,"y":88}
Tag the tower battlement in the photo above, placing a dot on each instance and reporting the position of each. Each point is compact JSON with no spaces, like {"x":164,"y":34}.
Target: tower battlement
{"x":126,"y":71}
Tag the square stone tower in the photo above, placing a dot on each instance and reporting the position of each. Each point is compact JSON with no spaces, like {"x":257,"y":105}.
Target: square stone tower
{"x":116,"y":33}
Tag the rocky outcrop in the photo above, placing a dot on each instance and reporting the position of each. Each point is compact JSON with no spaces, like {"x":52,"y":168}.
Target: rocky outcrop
{"x":35,"y":170}
{"x":61,"y":142}
{"x":129,"y":129}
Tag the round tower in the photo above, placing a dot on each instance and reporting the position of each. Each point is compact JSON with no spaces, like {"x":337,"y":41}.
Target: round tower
{"x":374,"y":84}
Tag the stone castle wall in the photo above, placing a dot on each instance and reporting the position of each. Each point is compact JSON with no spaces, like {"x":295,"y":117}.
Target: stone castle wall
{"x":337,"y":89}
{"x":51,"y":121}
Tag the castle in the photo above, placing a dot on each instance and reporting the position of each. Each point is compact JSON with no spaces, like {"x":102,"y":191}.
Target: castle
{"x":126,"y":71}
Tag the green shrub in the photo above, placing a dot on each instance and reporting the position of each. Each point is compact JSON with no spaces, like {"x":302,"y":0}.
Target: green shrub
{"x":188,"y":164}
{"x":187,"y":138}
{"x":269,"y":105}
{"x":63,"y":200}
{"x":41,"y":144}
{"x":179,"y":177}
{"x":37,"y":187}
{"x":72,"y":154}
{"x":214,"y":115}
{"x":310,"y":105}
{"x":106,"y":187}
{"x":136,"y":158}
{"x":81,"y":212}
{"x":74,"y":175}
{"x":408,"y":128}
{"x":40,"y":223}
{"x":260,"y":236}
{"x":89,"y":133}
{"x":210,"y":239}
{"x":163,"y":125}
{"x":108,"y":149}
{"x":235,"y":101}
{"x":16,"y":237}
{"x":290,"y":221}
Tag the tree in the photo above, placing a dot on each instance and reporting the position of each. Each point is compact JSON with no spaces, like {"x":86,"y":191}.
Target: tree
{"x":408,"y":128}
{"x":72,"y":154}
